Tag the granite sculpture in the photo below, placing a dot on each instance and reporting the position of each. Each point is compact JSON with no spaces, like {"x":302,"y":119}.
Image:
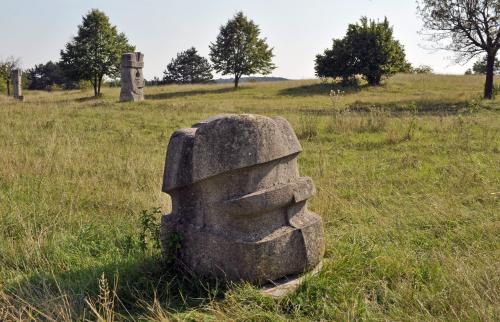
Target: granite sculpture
{"x":238,"y":203}
{"x":16,"y":79}
{"x":132,"y":79}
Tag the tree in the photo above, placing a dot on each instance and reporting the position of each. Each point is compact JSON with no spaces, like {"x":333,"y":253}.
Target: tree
{"x":338,"y":61}
{"x":422,"y":69}
{"x":467,"y":27}
{"x":239,"y":51}
{"x":95,"y":52}
{"x":45,"y":76}
{"x":188,"y":68}
{"x":378,"y":54}
{"x":479,"y":66}
{"x":368,"y":49}
{"x":6,"y":68}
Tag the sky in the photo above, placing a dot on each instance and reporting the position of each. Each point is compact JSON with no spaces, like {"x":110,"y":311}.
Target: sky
{"x":37,"y":30}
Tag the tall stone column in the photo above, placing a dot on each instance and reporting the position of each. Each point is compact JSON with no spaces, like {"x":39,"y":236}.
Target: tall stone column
{"x":132,"y":79}
{"x":16,"y":77}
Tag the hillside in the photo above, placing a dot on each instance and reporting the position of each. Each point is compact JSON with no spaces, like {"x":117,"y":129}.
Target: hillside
{"x":408,"y":183}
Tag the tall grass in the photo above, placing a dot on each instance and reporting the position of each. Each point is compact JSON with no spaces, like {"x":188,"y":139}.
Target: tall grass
{"x":408,"y":182}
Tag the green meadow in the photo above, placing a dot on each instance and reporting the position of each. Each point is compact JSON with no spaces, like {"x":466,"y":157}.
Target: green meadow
{"x":408,"y":180}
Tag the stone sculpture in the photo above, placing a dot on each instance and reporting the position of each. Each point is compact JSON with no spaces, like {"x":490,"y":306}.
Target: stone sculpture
{"x":17,"y":84}
{"x":132,"y":80}
{"x":238,"y":202}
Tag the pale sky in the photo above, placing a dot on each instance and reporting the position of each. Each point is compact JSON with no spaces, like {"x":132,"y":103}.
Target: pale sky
{"x":37,"y":30}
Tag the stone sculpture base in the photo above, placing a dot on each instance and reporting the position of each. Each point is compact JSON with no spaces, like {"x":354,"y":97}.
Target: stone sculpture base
{"x":286,"y":252}
{"x":288,"y":284}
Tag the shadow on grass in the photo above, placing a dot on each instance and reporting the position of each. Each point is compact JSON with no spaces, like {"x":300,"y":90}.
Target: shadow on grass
{"x":177,"y":94}
{"x":401,"y":108}
{"x":89,"y":98}
{"x":319,"y":89}
{"x":421,"y":107}
{"x":136,"y":283}
{"x":395,"y":107}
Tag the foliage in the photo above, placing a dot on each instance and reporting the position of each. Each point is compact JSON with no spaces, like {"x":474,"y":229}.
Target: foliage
{"x":368,"y":49}
{"x":479,"y":66}
{"x":45,"y":76}
{"x":95,"y":52}
{"x":466,"y":27}
{"x":239,"y":51}
{"x":150,"y":229}
{"x":422,"y":69}
{"x":339,"y":61}
{"x":6,"y":67}
{"x":156,"y":81}
{"x":188,"y":68}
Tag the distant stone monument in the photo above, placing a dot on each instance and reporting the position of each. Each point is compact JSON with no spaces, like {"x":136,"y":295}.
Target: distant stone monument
{"x":16,"y":77}
{"x":238,"y":203}
{"x":132,"y":80}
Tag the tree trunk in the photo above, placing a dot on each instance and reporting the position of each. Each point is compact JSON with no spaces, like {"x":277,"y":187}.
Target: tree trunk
{"x":374,"y":79}
{"x":94,"y":84}
{"x":8,"y":87}
{"x":99,"y":86}
{"x":236,"y":81}
{"x":488,"y":85}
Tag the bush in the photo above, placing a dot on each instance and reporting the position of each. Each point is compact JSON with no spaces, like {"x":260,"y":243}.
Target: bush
{"x":3,"y":86}
{"x":422,"y":69}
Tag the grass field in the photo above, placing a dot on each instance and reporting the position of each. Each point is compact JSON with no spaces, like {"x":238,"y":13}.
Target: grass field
{"x":408,"y":178}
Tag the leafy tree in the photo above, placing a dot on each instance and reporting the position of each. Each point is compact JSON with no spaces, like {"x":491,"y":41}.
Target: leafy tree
{"x":467,"y":27}
{"x":188,"y":68}
{"x":95,"y":52}
{"x":368,"y":49}
{"x":45,"y":76}
{"x":480,"y":66}
{"x":338,"y":61}
{"x":239,"y":51}
{"x":377,"y":52}
{"x":6,"y":67}
{"x":422,"y":69}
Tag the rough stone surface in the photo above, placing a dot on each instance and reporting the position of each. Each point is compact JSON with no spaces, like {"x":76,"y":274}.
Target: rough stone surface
{"x":132,"y":79}
{"x":288,"y":285}
{"x":17,"y":84}
{"x":238,"y":202}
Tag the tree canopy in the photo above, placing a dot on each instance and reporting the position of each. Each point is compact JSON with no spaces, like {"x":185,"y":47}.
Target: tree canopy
{"x":467,"y":27}
{"x":188,"y":68}
{"x":422,"y":69}
{"x":238,"y":50}
{"x":368,"y":49}
{"x":95,"y":51}
{"x":45,"y":76}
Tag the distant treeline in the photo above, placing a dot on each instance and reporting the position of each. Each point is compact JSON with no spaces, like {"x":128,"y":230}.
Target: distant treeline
{"x":368,"y":51}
